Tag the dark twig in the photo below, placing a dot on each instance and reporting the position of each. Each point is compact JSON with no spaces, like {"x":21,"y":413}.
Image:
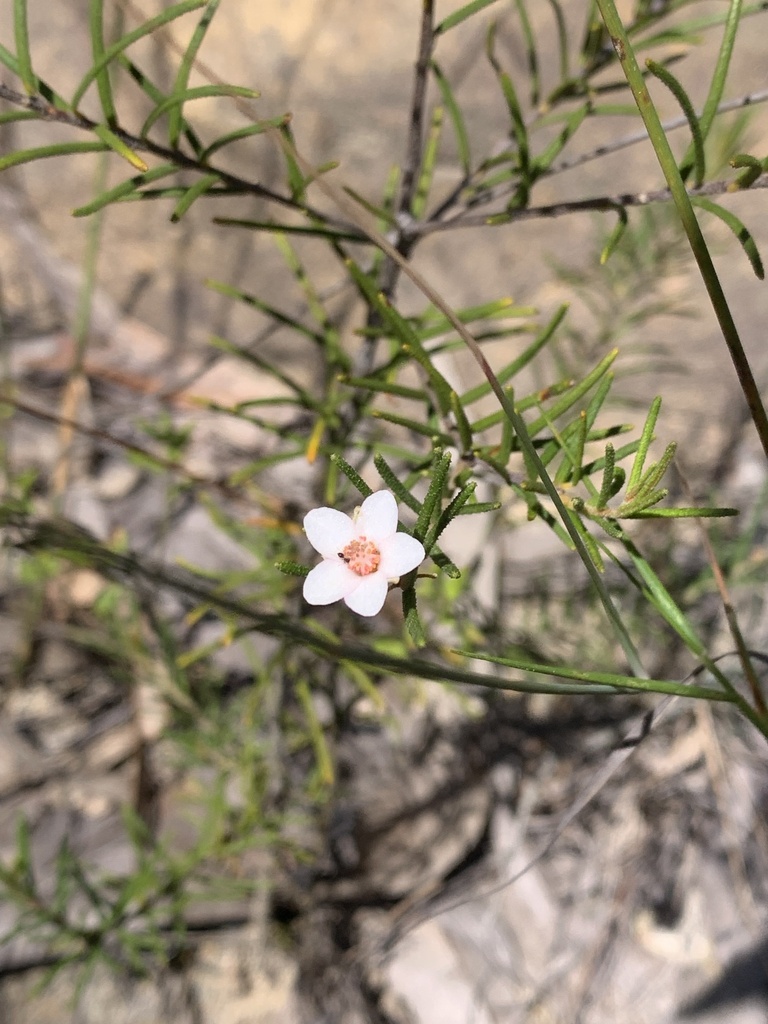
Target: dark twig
{"x":416,"y":124}
{"x":47,"y":112}
{"x":596,"y":203}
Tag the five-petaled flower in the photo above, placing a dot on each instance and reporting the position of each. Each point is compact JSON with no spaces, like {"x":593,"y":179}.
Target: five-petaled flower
{"x":362,"y":554}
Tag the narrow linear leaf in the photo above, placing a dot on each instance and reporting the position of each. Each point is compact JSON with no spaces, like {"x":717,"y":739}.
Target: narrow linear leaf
{"x":412,"y":620}
{"x":23,"y":55}
{"x":441,"y":464}
{"x":461,"y":15}
{"x":684,"y":513}
{"x":167,"y":16}
{"x":352,"y":475}
{"x":418,"y":427}
{"x":457,"y":118}
{"x":290,"y":229}
{"x":386,"y":387}
{"x":103,"y":84}
{"x":519,"y":362}
{"x":40,"y":87}
{"x":117,"y":145}
{"x":428,"y":162}
{"x":615,"y":236}
{"x":572,"y":396}
{"x":26,"y":156}
{"x":264,"y":307}
{"x":193,"y":193}
{"x":608,"y":679}
{"x":124,"y":189}
{"x":402,"y":493}
{"x":562,"y":38}
{"x":744,"y":237}
{"x":642,"y":449}
{"x":530,"y":51}
{"x":573,"y":122}
{"x":199,"y":92}
{"x":258,"y":128}
{"x":754,"y":168}
{"x":697,"y":164}
{"x":180,"y":86}
{"x":157,"y":96}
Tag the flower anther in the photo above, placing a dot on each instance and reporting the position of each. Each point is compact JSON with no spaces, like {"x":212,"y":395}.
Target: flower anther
{"x":362,"y":554}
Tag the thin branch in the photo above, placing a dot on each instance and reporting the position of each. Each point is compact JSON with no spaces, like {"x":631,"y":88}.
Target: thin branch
{"x":416,"y":126}
{"x":631,"y":139}
{"x":48,"y":112}
{"x":596,"y":203}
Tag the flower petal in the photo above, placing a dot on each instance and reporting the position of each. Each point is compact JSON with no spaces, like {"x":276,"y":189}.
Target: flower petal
{"x":400,"y":554}
{"x":368,"y":597}
{"x":328,"y":531}
{"x":329,"y":582}
{"x":377,"y":518}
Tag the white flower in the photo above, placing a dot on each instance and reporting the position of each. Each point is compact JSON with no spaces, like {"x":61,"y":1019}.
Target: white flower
{"x":362,"y":554}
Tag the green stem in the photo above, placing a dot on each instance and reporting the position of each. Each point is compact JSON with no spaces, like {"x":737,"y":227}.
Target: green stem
{"x":685,"y":211}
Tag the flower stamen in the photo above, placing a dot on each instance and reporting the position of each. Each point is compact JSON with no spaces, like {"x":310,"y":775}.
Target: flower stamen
{"x":362,"y":556}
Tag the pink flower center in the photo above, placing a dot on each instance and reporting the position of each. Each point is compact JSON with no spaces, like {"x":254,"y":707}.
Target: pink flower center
{"x":362,"y":556}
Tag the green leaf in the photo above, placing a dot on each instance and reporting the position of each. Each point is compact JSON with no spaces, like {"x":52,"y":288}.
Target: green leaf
{"x":519,"y":362}
{"x":23,"y":56}
{"x":745,"y":239}
{"x":180,"y":86}
{"x":642,"y":450}
{"x":457,"y":118}
{"x":264,"y":307}
{"x":193,"y":193}
{"x":428,"y":161}
{"x":117,"y":145}
{"x":292,"y":568}
{"x":684,"y":513}
{"x":103,"y":83}
{"x":615,"y":236}
{"x":530,"y":51}
{"x":151,"y":90}
{"x":26,"y":156}
{"x":754,"y":169}
{"x":412,"y":620}
{"x":573,"y":395}
{"x":441,"y":465}
{"x":199,"y":92}
{"x":386,"y":387}
{"x":519,"y":127}
{"x":613,"y":680}
{"x":124,"y":189}
{"x":167,"y":16}
{"x":352,"y":475}
{"x":697,"y":141}
{"x":402,"y":493}
{"x":573,"y":122}
{"x":317,"y":231}
{"x":461,"y":15}
{"x":257,"y":128}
